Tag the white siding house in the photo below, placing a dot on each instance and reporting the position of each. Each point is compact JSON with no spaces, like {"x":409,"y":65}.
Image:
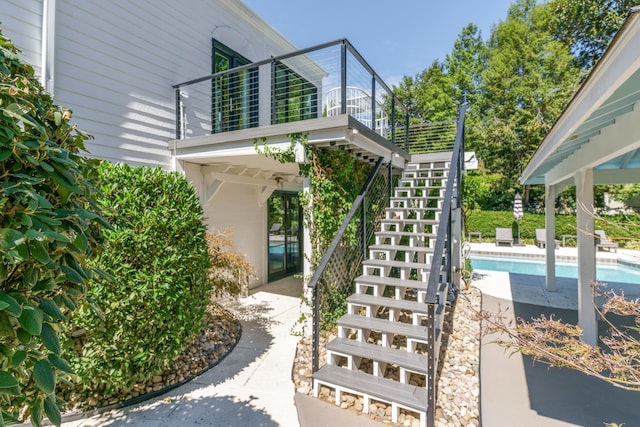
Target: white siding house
{"x":116,"y":65}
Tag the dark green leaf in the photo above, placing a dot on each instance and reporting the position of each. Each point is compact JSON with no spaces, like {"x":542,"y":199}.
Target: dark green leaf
{"x":60,"y":363}
{"x":4,"y":154}
{"x":23,"y":336}
{"x":51,"y":308}
{"x":72,"y":275}
{"x":31,"y":319}
{"x":8,"y":384}
{"x":36,"y":413}
{"x":44,"y":376}
{"x":18,"y":358}
{"x":56,"y":236}
{"x":50,"y":339}
{"x":39,"y":251}
{"x":52,"y":411}
{"x":13,"y":307}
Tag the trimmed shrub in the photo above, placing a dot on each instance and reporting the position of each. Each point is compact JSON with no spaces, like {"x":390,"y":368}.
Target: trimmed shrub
{"x":155,"y":305}
{"x":49,"y":229}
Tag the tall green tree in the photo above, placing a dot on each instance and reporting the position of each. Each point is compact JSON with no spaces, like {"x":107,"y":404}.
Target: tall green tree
{"x":466,"y":63}
{"x":527,"y":82}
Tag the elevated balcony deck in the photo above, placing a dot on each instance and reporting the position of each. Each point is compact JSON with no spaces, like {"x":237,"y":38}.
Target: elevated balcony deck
{"x":328,"y":93}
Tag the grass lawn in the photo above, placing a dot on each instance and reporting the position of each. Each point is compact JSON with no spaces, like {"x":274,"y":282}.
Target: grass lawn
{"x":623,"y":230}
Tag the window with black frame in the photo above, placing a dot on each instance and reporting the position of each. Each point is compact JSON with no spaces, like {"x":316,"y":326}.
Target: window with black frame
{"x":294,"y":98}
{"x":234,"y":96}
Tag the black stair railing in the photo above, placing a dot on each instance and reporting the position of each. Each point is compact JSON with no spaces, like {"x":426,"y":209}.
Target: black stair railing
{"x":441,"y":279}
{"x":333,"y":278}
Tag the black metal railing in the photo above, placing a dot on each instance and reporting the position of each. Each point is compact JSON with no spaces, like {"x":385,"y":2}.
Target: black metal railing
{"x":441,"y":273}
{"x":321,"y":81}
{"x":333,"y":278}
{"x":430,"y":137}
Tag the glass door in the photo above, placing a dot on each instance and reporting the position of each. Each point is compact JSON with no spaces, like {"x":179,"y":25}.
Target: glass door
{"x":285,"y":231}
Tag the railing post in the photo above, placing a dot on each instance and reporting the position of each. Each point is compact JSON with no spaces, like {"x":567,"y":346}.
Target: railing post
{"x":364,"y":226}
{"x":393,"y":120}
{"x":373,"y":103}
{"x":343,"y":77}
{"x":178,"y":114}
{"x":406,"y":133}
{"x":273,"y":92}
{"x":431,"y":365}
{"x":315,"y":349}
{"x":390,"y":182}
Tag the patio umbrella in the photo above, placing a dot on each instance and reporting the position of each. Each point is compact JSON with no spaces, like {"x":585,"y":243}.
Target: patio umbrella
{"x":518,"y":213}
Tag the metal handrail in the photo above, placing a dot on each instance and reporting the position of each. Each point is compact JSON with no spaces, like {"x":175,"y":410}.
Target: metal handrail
{"x":324,"y":262}
{"x":444,"y":230}
{"x":299,"y":52}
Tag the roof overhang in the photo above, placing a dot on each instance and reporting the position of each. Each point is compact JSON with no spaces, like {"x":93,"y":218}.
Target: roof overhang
{"x":600,"y":128}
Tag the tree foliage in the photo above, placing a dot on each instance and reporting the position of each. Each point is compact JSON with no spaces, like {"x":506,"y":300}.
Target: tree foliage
{"x":586,"y":26}
{"x":50,"y":228}
{"x":528,"y":80}
{"x":517,"y":82}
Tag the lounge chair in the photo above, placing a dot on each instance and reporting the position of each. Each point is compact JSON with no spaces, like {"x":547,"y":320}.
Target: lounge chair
{"x":276,"y":228}
{"x":602,"y":242}
{"x":504,"y":235}
{"x":541,"y":238}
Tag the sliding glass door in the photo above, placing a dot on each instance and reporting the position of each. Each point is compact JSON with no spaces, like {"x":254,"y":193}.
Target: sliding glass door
{"x":285,"y":235}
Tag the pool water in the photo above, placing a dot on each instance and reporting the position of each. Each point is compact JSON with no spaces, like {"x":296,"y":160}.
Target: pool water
{"x":604,"y":272}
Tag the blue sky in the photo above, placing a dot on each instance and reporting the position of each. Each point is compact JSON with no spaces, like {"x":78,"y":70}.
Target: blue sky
{"x":397,"y":38}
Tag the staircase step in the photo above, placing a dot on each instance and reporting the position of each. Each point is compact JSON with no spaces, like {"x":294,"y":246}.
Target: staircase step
{"x":366,"y":300}
{"x":420,"y":254}
{"x":357,"y":322}
{"x":404,"y":267}
{"x":368,"y":386}
{"x":412,"y":362}
{"x":376,"y":281}
{"x":396,"y":236}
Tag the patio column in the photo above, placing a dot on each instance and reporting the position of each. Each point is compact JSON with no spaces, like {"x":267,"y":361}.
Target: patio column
{"x":586,"y":255}
{"x":550,"y":224}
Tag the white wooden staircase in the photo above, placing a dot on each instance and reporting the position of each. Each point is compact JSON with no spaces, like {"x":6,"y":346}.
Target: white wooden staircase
{"x":381,"y":351}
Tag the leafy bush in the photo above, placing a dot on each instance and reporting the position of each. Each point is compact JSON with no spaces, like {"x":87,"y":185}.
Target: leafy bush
{"x":230,"y":272}
{"x":49,"y":229}
{"x":158,"y":256}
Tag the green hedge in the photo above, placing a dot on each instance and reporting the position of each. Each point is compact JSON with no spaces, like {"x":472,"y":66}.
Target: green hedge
{"x":156,"y":301}
{"x":625,"y":230}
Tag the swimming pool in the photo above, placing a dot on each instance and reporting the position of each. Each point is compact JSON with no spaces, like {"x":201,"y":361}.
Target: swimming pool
{"x":611,"y":272}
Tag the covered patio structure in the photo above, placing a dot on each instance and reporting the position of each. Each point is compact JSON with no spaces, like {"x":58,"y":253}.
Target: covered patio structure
{"x":595,"y":141}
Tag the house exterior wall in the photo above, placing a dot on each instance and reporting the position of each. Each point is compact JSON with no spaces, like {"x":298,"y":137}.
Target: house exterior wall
{"x":116,"y":62}
{"x":21,"y":21}
{"x":236,"y":207}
